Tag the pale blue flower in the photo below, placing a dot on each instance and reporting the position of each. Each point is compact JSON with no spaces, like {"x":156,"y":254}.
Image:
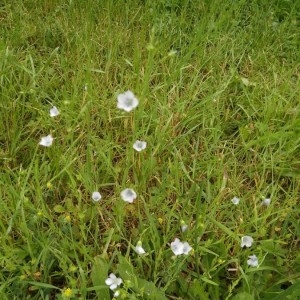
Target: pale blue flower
{"x":186,"y":248}
{"x":127,"y":101}
{"x":113,"y":281}
{"x":235,"y":200}
{"x":54,"y":112}
{"x":179,"y":248}
{"x":128,"y":195}
{"x":247,"y":241}
{"x":139,"y":249}
{"x":139,"y":145}
{"x":266,"y":202}
{"x":96,"y":196}
{"x":252,"y":261}
{"x":46,"y":141}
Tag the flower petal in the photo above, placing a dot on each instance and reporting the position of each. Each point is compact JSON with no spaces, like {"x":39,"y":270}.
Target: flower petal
{"x":266,"y":202}
{"x":54,"y":112}
{"x":140,"y":250}
{"x":177,"y":247}
{"x":186,"y":248}
{"x":246,"y":241}
{"x":109,"y":281}
{"x":113,"y":286}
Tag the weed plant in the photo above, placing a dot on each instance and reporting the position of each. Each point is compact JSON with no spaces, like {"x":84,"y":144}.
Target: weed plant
{"x":217,"y":84}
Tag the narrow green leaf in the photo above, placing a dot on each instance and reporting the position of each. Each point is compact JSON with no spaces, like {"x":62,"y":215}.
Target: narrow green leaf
{"x":44,"y":285}
{"x":209,"y":281}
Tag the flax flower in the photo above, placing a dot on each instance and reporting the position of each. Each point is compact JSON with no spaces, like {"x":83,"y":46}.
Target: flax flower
{"x":139,"y":145}
{"x":127,"y":101}
{"x":96,"y":196}
{"x":46,"y":141}
{"x":252,"y":261}
{"x":266,"y":202}
{"x":246,"y":241}
{"x":235,"y":200}
{"x":128,"y":195}
{"x":179,"y":248}
{"x":139,"y":249}
{"x":113,"y":281}
{"x":54,"y":112}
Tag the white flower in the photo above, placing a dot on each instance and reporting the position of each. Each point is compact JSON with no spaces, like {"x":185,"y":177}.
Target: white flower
{"x":235,"y":200}
{"x":54,"y":112}
{"x":184,"y":227}
{"x":46,"y":141}
{"x":186,"y":248}
{"x":127,"y":101}
{"x":179,"y":248}
{"x":117,"y":294}
{"x":246,"y":241}
{"x":128,"y":195}
{"x":172,"y":52}
{"x":139,"y":145}
{"x":139,"y":249}
{"x":113,"y":281}
{"x":266,"y":202}
{"x":252,"y":261}
{"x":96,"y":196}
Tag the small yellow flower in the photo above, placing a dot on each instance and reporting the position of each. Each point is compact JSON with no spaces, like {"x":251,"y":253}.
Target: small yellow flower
{"x":160,"y":221}
{"x":72,"y":268}
{"x":23,"y":277}
{"x":40,"y":213}
{"x":68,"y":218}
{"x":67,"y":293}
{"x":49,"y":185}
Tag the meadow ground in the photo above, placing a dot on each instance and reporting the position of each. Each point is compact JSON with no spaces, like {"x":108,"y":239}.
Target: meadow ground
{"x":218,"y":90}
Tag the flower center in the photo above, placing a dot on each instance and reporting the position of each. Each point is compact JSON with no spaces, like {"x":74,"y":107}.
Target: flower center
{"x":128,"y":101}
{"x":129,"y":194}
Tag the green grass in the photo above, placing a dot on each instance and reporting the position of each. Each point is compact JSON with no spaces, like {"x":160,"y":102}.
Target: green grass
{"x":218,"y":85}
